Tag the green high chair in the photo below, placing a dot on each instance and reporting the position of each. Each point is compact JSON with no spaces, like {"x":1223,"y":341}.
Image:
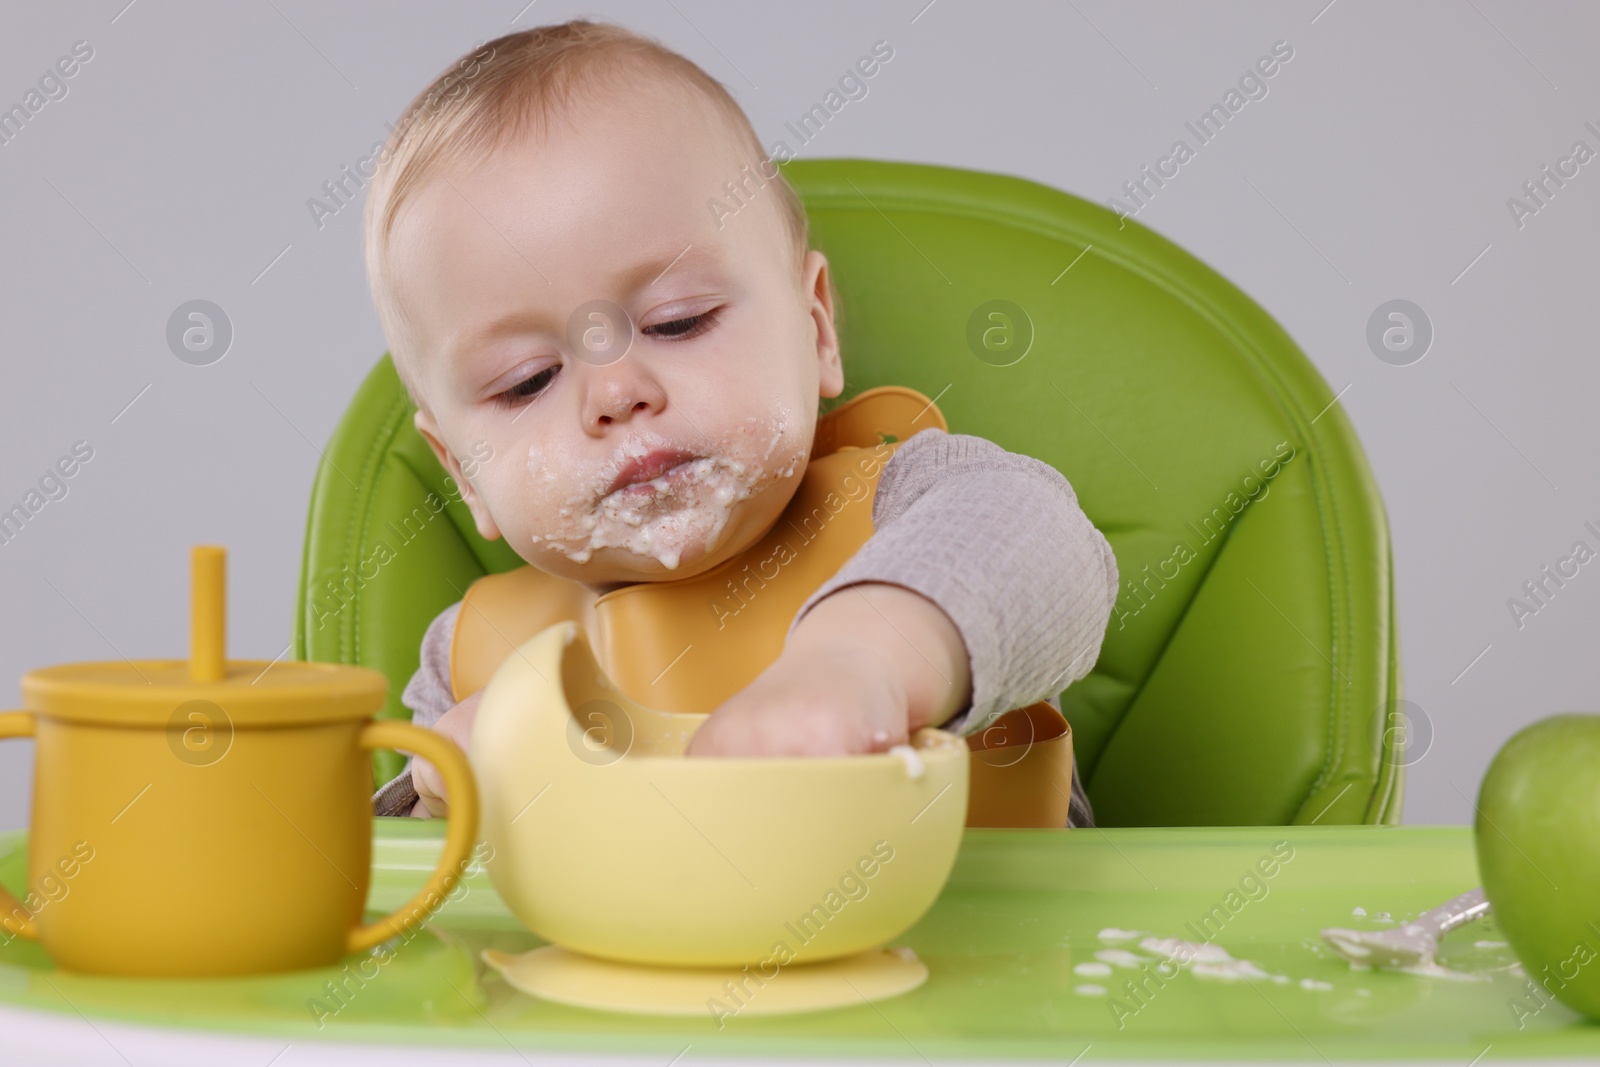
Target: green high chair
{"x":1250,"y":666}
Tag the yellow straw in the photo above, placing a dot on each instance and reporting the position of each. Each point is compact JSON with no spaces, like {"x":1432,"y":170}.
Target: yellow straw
{"x":208,"y":635}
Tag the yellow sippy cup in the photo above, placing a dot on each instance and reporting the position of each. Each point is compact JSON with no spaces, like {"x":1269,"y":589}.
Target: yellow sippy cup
{"x":212,"y":816}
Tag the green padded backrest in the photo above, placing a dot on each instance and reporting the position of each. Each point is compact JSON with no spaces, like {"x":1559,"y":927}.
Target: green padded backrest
{"x":1251,"y":658}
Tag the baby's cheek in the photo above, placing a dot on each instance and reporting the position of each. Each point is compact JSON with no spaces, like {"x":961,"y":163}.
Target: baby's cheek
{"x":534,"y":505}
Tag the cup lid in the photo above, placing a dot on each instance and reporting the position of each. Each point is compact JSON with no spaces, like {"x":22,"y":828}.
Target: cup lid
{"x":159,"y":692}
{"x":163,"y":692}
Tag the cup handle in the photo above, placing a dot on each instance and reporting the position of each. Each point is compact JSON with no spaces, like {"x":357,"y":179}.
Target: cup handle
{"x":16,"y":724}
{"x":462,"y":826}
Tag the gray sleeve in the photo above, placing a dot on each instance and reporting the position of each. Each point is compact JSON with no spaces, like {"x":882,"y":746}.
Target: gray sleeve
{"x":428,"y":697}
{"x":998,"y":541}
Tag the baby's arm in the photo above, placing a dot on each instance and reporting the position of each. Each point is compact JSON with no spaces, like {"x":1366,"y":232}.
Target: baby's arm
{"x":870,"y":666}
{"x":456,"y":724}
{"x":998,"y":540}
{"x":428,"y":696}
{"x":996,"y":545}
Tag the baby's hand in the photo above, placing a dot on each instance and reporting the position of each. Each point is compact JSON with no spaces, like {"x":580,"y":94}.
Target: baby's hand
{"x":456,"y":724}
{"x":866,"y":666}
{"x":809,"y":702}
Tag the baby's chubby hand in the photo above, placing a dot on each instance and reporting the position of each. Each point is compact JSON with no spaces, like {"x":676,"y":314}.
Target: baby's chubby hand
{"x":456,"y":724}
{"x":812,"y":701}
{"x":867,"y":666}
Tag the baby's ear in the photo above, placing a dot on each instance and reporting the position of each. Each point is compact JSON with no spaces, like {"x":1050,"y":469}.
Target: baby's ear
{"x":459,"y":485}
{"x":819,"y":284}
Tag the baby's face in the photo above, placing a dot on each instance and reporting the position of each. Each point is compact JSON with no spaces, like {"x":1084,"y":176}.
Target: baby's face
{"x":643,"y":383}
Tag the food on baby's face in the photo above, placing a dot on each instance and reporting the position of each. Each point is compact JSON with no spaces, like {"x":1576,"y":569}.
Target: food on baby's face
{"x":686,"y":506}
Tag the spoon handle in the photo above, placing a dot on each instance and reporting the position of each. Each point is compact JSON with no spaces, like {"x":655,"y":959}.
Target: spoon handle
{"x":1455,"y":912}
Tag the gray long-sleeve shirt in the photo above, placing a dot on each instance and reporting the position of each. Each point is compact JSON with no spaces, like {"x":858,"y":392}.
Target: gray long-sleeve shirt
{"x":996,"y":539}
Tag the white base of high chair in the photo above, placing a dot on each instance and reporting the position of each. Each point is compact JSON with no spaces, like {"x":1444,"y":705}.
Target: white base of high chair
{"x":555,"y":973}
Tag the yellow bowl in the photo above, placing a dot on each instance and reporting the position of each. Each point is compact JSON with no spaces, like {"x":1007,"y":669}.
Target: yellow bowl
{"x":608,"y":841}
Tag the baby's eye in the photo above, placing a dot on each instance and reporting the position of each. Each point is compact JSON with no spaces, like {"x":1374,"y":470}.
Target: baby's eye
{"x":527,"y":389}
{"x":681,"y":329}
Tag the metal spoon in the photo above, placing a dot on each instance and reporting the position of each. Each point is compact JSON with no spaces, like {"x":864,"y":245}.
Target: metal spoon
{"x":1414,"y":943}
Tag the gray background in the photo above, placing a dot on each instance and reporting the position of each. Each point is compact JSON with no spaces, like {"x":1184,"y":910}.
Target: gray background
{"x":180,"y":163}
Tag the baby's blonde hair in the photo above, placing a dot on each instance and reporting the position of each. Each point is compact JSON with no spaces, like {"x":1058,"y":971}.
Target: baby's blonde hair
{"x":514,"y":85}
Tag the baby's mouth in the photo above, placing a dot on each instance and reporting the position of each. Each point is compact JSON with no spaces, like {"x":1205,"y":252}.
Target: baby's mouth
{"x":656,"y":500}
{"x":642,"y":475}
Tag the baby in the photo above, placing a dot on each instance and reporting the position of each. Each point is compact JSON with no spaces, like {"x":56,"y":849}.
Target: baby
{"x":644,"y":373}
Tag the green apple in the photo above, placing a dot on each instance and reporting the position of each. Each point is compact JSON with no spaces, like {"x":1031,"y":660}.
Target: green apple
{"x":1538,"y":836}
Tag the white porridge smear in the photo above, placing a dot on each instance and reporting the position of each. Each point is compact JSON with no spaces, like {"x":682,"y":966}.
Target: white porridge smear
{"x":1200,"y":952}
{"x":909,"y":756}
{"x":690,"y":506}
{"x":1206,"y":960}
{"x":1232,"y":971}
{"x":1434,"y":970}
{"x":1121,"y":957}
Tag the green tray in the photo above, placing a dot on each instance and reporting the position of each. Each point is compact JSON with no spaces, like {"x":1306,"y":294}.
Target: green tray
{"x":1022,"y":908}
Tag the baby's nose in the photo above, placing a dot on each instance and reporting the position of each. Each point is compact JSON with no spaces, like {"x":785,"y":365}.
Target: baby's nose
{"x":637,"y":405}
